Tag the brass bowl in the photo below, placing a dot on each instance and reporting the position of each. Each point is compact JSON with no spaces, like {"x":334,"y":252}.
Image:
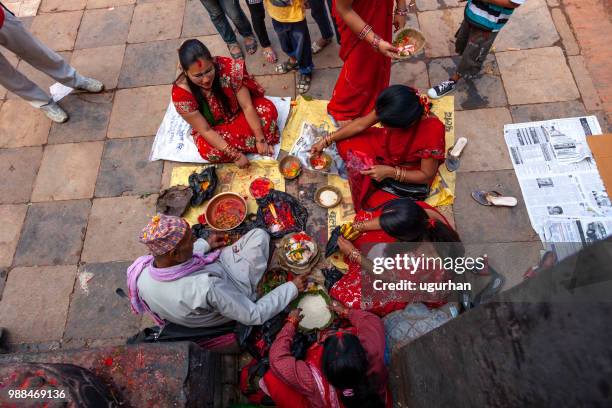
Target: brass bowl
{"x":286,"y":162}
{"x":221,"y":197}
{"x":317,"y":196}
{"x":418,"y":40}
{"x":328,"y":161}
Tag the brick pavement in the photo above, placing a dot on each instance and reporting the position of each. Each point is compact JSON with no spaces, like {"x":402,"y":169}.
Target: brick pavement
{"x":74,"y":196}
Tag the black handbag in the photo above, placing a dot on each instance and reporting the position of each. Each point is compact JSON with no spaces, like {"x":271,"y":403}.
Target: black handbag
{"x":417,"y":192}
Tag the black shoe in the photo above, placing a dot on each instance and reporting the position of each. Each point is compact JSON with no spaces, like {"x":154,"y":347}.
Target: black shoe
{"x":444,"y":88}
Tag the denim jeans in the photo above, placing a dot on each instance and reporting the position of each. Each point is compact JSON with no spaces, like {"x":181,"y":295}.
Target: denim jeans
{"x":318,"y":11}
{"x":294,"y":39}
{"x":219,"y":10}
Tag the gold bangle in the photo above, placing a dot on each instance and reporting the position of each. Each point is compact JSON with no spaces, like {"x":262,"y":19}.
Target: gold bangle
{"x":354,"y":256}
{"x":397,"y":173}
{"x":358,"y":226}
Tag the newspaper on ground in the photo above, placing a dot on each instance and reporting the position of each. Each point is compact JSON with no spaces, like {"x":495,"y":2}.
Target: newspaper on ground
{"x":174,"y":142}
{"x":308,"y":136}
{"x":561,"y":185}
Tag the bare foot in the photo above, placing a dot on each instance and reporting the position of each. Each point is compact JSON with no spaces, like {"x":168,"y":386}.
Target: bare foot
{"x":270,"y":55}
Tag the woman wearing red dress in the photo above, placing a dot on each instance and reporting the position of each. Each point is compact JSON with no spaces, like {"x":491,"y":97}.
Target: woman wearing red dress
{"x":365,"y":27}
{"x":224,"y":105}
{"x":396,"y":220}
{"x":345,"y":368}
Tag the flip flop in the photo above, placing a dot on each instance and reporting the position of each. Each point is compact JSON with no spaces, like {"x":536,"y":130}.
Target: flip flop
{"x":236,"y":54}
{"x":493,"y":198}
{"x":452,"y":156}
{"x":316,"y":48}
{"x":285,"y":67}
{"x":252,"y":47}
{"x":303,"y":83}
{"x":270,"y":56}
{"x":492,"y":288}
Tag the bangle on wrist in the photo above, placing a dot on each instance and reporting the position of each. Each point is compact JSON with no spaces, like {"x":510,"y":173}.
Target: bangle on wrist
{"x":365,"y":31}
{"x":401,"y":12}
{"x":359,"y":226}
{"x":376,"y":41}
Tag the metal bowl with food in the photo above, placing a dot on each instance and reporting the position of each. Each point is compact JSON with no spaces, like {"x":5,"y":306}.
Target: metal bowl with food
{"x":321,"y":161}
{"x":290,"y":167}
{"x":410,"y":42}
{"x":225,"y":211}
{"x":328,"y":196}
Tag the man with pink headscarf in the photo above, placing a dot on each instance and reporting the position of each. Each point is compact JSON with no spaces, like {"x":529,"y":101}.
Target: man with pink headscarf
{"x":197,"y":283}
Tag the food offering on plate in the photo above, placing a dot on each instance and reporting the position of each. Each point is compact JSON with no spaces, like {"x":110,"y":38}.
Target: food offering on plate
{"x":260,"y":187}
{"x":272,"y":279}
{"x":321,"y":161}
{"x":300,"y":249}
{"x":409,"y":42}
{"x":290,"y":167}
{"x":225,"y":211}
{"x":328,"y":196}
{"x":315,"y":310}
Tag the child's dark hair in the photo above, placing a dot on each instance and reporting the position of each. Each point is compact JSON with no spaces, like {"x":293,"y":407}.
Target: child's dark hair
{"x":406,"y":221}
{"x":189,"y":53}
{"x":345,"y":365}
{"x":399,"y":106}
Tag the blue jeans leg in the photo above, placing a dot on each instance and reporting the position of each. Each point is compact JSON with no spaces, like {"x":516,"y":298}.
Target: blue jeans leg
{"x":234,"y":12}
{"x":300,"y":36}
{"x":318,"y":11}
{"x":219,"y":20}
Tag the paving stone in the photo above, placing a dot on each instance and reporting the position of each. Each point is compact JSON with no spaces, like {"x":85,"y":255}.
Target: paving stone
{"x":89,"y":116}
{"x":424,"y":5}
{"x":102,"y":63}
{"x":152,"y":63}
{"x":323,"y":81}
{"x":411,"y":73}
{"x":68,"y":171}
{"x":585,"y":83}
{"x":167,"y":172}
{"x":278,"y":85}
{"x":138,"y":111}
{"x":126,"y":169}
{"x":256,"y":63}
{"x":484,"y":91}
{"x":53,"y":233}
{"x":104,"y":27}
{"x":567,"y":36}
{"x":553,"y":3}
{"x":196,"y":21}
{"x":530,"y":26}
{"x":479,"y":224}
{"x":11,"y":219}
{"x":22,"y":125}
{"x":439,"y":28}
{"x":96,"y":312}
{"x":121,"y":218}
{"x":157,"y":21}
{"x":215,"y":45}
{"x":511,"y":259}
{"x":327,"y":58}
{"x":19,"y":168}
{"x":93,"y":4}
{"x":38,"y":77}
{"x":52,"y":6}
{"x":545,"y":111}
{"x":57,"y":30}
{"x":536,"y":76}
{"x":486,"y":149}
{"x":29,"y":292}
{"x":3,"y":275}
{"x":28,"y":8}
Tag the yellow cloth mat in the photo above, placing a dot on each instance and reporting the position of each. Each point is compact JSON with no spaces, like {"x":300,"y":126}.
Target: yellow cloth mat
{"x":443,"y":186}
{"x":231,"y":178}
{"x":304,"y":109}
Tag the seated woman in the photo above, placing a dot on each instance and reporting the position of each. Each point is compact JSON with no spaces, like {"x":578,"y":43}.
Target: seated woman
{"x":345,"y":368}
{"x":408,"y":147}
{"x":224,"y":105}
{"x":399,"y":220}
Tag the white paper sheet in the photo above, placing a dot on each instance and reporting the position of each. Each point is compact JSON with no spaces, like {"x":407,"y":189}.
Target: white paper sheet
{"x":58,"y":91}
{"x":174,"y":142}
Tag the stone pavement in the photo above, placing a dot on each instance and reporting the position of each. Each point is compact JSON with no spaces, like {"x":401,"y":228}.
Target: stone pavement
{"x":74,"y":196}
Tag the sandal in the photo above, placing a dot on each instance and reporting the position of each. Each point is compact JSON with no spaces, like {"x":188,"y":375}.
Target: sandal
{"x":270,"y":55}
{"x":452,"y":156}
{"x":251,"y":47}
{"x":236,"y":54}
{"x":286,"y":66}
{"x":494,"y":198}
{"x":492,"y":288}
{"x":303,"y":83}
{"x":317,"y":48}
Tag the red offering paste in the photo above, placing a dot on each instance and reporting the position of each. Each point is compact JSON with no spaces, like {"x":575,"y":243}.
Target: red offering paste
{"x":227,"y":213}
{"x":260,"y":187}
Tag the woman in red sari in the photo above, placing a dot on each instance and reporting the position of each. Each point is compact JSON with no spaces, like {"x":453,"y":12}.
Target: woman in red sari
{"x":397,"y":220}
{"x":345,"y":368}
{"x":365,"y":27}
{"x":224,"y":105}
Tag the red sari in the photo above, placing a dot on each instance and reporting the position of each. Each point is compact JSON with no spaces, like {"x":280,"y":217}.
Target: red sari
{"x":392,"y":147}
{"x":348,"y":290}
{"x":232,"y":126}
{"x":366,"y":72}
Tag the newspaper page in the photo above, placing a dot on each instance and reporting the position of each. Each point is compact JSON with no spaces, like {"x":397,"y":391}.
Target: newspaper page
{"x":567,"y":236}
{"x":558,"y":176}
{"x":308,"y":136}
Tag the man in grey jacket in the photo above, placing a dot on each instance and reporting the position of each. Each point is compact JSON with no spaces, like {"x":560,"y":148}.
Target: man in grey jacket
{"x":192,"y":283}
